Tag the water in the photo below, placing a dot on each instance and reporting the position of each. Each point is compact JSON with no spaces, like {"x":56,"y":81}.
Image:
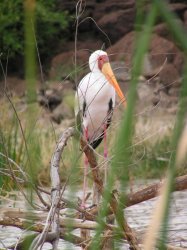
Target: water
{"x":138,"y":217}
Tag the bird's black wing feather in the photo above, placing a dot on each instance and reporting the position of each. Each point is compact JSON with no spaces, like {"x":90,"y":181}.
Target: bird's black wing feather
{"x":96,"y":142}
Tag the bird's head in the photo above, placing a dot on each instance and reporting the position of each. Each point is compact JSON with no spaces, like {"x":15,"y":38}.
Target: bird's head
{"x":99,"y":62}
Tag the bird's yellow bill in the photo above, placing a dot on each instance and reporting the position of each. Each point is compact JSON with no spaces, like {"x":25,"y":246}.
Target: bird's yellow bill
{"x":108,"y":72}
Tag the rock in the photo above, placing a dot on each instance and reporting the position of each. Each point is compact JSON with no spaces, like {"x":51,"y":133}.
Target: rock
{"x":14,"y":86}
{"x":70,"y":6}
{"x":185,"y":19}
{"x":167,"y":101}
{"x":169,"y":76}
{"x":175,"y":91}
{"x":123,"y":49}
{"x":65,"y":86}
{"x":178,"y":61}
{"x":63,"y":64}
{"x":161,"y":51}
{"x":173,"y":110}
{"x":178,"y":8}
{"x":106,"y":14}
{"x":122,"y":75}
{"x":63,"y":111}
{"x":155,"y":100}
{"x":145,"y":93}
{"x":49,"y":98}
{"x":107,"y":6}
{"x":163,"y":31}
{"x":117,"y":19}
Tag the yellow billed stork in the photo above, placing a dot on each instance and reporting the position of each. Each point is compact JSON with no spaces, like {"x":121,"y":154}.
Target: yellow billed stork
{"x":95,"y":100}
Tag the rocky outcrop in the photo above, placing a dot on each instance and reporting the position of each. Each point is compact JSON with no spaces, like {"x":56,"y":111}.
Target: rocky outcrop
{"x":49,"y":98}
{"x":112,"y":23}
{"x":115,"y":18}
{"x":58,"y":100}
{"x":164,"y":58}
{"x":63,"y":64}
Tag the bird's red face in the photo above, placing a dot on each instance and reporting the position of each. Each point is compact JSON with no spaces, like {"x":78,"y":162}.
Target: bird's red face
{"x":104,"y":66}
{"x":102,"y":60}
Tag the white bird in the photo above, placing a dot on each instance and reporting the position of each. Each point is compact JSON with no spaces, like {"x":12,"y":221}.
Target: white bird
{"x":95,"y":98}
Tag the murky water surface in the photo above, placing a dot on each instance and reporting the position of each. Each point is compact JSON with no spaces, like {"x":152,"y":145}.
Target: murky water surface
{"x":138,"y":218}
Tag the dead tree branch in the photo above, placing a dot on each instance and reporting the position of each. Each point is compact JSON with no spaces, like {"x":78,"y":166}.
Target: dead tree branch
{"x":56,"y":184}
{"x":22,"y":218}
{"x":129,"y":234}
{"x":144,"y":194}
{"x":53,"y":216}
{"x":153,"y":190}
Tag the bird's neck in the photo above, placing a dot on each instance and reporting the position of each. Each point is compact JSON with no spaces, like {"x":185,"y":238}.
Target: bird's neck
{"x":99,"y":77}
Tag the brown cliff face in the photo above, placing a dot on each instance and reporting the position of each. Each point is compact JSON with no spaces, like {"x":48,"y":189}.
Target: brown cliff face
{"x":115,"y":18}
{"x":102,"y":22}
{"x":114,"y":27}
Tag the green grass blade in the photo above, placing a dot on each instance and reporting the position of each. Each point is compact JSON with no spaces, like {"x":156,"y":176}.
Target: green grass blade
{"x":181,"y":37}
{"x":125,"y":133}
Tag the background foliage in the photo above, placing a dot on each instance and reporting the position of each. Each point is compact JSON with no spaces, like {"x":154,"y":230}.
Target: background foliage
{"x":50,"y":25}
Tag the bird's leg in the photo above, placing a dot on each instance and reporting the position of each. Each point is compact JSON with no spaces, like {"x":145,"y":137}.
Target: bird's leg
{"x":105,"y":154}
{"x":85,"y":171}
{"x":85,"y":234}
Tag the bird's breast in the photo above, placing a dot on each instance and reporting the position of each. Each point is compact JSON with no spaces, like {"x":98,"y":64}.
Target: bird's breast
{"x":98,"y":95}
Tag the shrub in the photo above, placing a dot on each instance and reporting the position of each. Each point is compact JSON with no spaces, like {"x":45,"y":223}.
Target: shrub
{"x":50,"y":24}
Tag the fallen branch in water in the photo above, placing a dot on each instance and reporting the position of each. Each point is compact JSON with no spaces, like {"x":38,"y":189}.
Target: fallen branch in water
{"x":21,"y":218}
{"x":16,"y":217}
{"x":41,"y":221}
{"x":152,"y":191}
{"x":144,"y":194}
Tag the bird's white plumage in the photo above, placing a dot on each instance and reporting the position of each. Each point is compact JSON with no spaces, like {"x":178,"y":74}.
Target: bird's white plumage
{"x":96,"y":92}
{"x":93,"y":60}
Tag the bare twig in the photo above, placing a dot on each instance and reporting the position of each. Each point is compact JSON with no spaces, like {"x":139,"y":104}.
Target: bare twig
{"x":42,"y":199}
{"x":9,"y":161}
{"x":11,"y":218}
{"x":25,"y":180}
